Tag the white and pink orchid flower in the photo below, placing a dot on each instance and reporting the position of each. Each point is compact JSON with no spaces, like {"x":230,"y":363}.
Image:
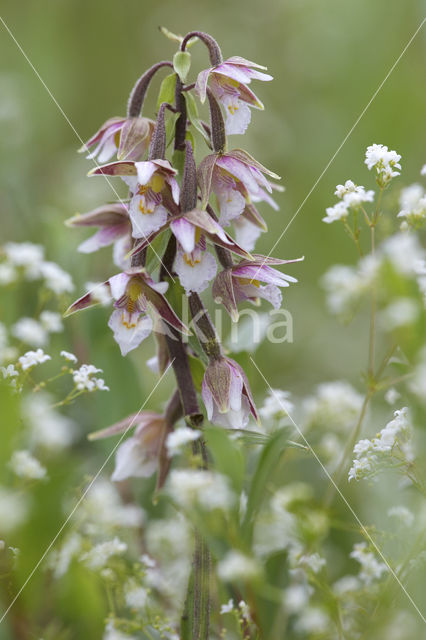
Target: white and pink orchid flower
{"x":228,"y":82}
{"x":226,"y":394}
{"x":129,"y":138}
{"x":152,"y":184}
{"x":139,"y":308}
{"x":114,"y":228}
{"x":136,"y":457}
{"x":242,"y":282}
{"x":236,"y":179}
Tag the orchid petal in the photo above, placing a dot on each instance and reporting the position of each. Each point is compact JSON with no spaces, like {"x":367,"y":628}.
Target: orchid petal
{"x":129,"y":329}
{"x":185,"y":233}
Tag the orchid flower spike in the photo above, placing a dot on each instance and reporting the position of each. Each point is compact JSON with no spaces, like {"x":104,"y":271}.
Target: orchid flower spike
{"x":136,"y":295}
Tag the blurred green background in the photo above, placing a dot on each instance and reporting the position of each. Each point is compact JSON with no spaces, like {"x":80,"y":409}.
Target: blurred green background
{"x":327,"y":58}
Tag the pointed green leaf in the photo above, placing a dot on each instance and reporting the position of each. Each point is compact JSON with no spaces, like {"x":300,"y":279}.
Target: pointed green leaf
{"x":182,"y":64}
{"x":167,"y":90}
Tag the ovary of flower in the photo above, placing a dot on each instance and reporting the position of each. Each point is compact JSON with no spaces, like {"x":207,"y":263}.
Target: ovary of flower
{"x":32,"y":358}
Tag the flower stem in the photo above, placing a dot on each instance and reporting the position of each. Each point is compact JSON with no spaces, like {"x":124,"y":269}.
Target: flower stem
{"x":138,"y":92}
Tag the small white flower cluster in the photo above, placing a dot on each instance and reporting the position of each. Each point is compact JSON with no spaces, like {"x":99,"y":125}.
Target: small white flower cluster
{"x":32,"y":358}
{"x":352,"y":197}
{"x":85,"y":379}
{"x":238,"y":566}
{"x":335,"y":406}
{"x":69,"y":357}
{"x":241,"y":610}
{"x":371,"y":568}
{"x":48,"y":427}
{"x":401,"y":513}
{"x":25,"y":465}
{"x":312,"y":561}
{"x":392,"y":440}
{"x":179,"y":438}
{"x":207,"y":490}
{"x":28,"y":259}
{"x":385,"y":163}
{"x":413,"y":206}
{"x":277,"y":405}
{"x":136,"y":597}
{"x":36,"y":332}
{"x":344,"y":288}
{"x":14,"y":509}
{"x":99,"y":555}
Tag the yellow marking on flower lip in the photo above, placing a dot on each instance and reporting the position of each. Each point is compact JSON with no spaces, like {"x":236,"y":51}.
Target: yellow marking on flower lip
{"x":134,"y":291}
{"x":190,"y":260}
{"x":128,"y":325}
{"x":233,"y":108}
{"x":157,"y":183}
{"x":143,"y":208}
{"x":256,"y":283}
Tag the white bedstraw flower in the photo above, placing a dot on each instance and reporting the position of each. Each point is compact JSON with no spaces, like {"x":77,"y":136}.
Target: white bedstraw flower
{"x":135,"y":596}
{"x":338,"y":212}
{"x":177,"y":439}
{"x":13,"y":509}
{"x":30,"y":331}
{"x":70,"y":357}
{"x":343,"y":189}
{"x":207,"y":490}
{"x":48,"y":427}
{"x":33,"y":358}
{"x":85,"y":379}
{"x":237,"y":566}
{"x":336,"y":405}
{"x":346,"y":585}
{"x":404,"y":252}
{"x":312,"y":620}
{"x":55,"y":278}
{"x":111,"y":633}
{"x":24,"y":465}
{"x":9,"y":371}
{"x":104,"y":509}
{"x":23,"y":254}
{"x":227,"y":608}
{"x":392,"y":395}
{"x":404,"y":515}
{"x":277,"y":405}
{"x":99,"y":555}
{"x":7,"y":273}
{"x":51,"y":321}
{"x":371,"y":568}
{"x":423,"y":170}
{"x":399,"y":313}
{"x":60,"y":559}
{"x":385,"y":163}
{"x":413,"y":204}
{"x":313,"y":561}
{"x":296,"y":597}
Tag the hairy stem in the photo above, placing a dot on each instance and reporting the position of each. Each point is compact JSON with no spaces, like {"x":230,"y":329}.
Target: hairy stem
{"x":137,"y":95}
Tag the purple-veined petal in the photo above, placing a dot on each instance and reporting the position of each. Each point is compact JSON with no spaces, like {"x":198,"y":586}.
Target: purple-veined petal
{"x":237,"y":119}
{"x":205,"y":176}
{"x":201,"y":84}
{"x":165,"y":166}
{"x":246,"y":388}
{"x":131,"y":460}
{"x":207,"y":397}
{"x":143,"y":224}
{"x":235,"y":389}
{"x":163,"y":308}
{"x":218,"y":379}
{"x":240,"y":170}
{"x":174,"y":186}
{"x":185,"y":233}
{"x":129,"y":329}
{"x":103,"y":238}
{"x":197,"y":275}
{"x":244,"y":62}
{"x":223,"y":293}
{"x":246,"y":158}
{"x":118,"y":284}
{"x":86,"y":301}
{"x":108,"y":150}
{"x":135,"y":137}
{"x":246,"y":233}
{"x":106,"y":215}
{"x":119,"y":168}
{"x":100,"y":132}
{"x":120,"y":253}
{"x":264,"y":273}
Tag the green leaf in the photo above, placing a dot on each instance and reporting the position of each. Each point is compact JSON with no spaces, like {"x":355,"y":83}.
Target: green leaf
{"x":182,"y":64}
{"x":197,"y":371}
{"x":178,"y":160}
{"x":156,"y":250}
{"x":228,"y":457}
{"x":268,"y":461}
{"x":167,"y":90}
{"x":192,"y":111}
{"x":170,"y":127}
